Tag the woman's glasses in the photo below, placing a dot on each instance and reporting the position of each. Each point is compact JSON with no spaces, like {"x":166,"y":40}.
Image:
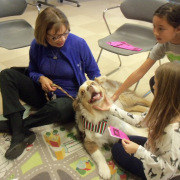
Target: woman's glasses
{"x":55,"y":38}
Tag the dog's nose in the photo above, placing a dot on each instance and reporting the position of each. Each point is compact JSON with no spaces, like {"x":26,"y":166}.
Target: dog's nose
{"x":89,"y":87}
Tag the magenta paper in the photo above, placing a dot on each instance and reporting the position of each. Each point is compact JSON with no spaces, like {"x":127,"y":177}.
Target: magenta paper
{"x":117,"y":133}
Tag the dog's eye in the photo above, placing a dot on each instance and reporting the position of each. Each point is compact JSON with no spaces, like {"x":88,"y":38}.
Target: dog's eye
{"x":82,"y":92}
{"x":93,"y":83}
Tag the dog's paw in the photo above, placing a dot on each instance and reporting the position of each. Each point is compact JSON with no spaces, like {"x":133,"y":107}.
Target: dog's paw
{"x":104,"y":171}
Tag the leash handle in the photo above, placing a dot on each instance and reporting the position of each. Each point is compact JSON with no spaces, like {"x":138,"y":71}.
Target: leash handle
{"x":60,"y":88}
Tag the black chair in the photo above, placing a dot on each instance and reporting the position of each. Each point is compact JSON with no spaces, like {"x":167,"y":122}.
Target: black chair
{"x":16,"y":33}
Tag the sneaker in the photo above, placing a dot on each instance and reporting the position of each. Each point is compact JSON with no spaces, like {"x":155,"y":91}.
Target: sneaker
{"x":17,"y":148}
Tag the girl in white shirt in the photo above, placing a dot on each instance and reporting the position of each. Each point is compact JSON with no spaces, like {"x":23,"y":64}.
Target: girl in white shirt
{"x":158,"y":157}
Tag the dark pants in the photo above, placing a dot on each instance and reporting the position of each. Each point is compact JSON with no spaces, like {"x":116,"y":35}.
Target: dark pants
{"x":15,"y":86}
{"x":127,"y":161}
{"x":151,"y":83}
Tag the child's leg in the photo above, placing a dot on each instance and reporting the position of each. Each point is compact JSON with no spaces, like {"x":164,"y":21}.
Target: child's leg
{"x":127,"y":161}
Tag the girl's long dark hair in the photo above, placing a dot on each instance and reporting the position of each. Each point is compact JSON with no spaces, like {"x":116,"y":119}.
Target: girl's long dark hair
{"x":170,"y":12}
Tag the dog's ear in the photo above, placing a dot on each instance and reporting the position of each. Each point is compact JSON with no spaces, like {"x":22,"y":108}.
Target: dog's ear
{"x":100,"y":80}
{"x":76,"y":104}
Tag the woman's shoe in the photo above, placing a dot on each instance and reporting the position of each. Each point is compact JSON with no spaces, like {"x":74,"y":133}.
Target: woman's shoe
{"x":17,"y":148}
{"x":29,"y":138}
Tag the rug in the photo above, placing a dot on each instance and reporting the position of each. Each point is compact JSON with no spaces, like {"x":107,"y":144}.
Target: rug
{"x":56,"y":154}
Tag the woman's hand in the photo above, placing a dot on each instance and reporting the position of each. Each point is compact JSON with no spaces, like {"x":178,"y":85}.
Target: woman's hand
{"x":46,"y":84}
{"x":129,"y":146}
{"x":105,"y":105}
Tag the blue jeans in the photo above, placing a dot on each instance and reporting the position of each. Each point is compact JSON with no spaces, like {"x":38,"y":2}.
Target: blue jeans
{"x":129,"y":162}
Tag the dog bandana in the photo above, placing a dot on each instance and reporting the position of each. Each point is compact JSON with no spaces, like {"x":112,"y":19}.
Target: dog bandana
{"x":99,"y":128}
{"x":124,"y":45}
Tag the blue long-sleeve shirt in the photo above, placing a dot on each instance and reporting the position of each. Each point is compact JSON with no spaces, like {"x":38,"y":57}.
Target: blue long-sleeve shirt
{"x":75,"y":52}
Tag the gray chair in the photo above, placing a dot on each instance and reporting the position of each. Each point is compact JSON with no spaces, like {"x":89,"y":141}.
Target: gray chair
{"x":47,"y":4}
{"x":16,"y":33}
{"x":137,"y":35}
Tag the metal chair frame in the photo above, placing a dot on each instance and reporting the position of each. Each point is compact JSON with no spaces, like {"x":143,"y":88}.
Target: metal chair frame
{"x":104,"y":17}
{"x":51,"y":5}
{"x":120,"y":62}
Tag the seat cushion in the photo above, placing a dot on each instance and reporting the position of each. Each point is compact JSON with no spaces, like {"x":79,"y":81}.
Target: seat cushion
{"x":15,"y":34}
{"x":136,"y":35}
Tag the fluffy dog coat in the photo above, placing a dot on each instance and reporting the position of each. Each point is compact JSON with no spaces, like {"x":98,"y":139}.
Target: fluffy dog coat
{"x":92,"y":93}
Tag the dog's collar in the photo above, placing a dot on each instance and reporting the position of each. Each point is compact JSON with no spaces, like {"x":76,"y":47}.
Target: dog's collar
{"x":99,"y":128}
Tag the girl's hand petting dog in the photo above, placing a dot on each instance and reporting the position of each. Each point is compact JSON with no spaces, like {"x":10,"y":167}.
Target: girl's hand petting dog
{"x":129,"y":146}
{"x":105,"y":106}
{"x":46,"y":84}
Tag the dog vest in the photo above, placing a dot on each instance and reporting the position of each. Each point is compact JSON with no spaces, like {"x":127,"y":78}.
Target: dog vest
{"x":98,"y":128}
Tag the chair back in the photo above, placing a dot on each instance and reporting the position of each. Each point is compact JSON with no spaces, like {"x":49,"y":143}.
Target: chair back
{"x":142,"y":10}
{"x":12,"y":7}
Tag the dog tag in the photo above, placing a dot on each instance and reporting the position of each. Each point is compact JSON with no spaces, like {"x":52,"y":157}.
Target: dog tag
{"x":53,"y":96}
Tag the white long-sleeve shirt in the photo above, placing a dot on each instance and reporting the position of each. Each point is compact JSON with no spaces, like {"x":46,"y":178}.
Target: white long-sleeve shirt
{"x":165,"y":162}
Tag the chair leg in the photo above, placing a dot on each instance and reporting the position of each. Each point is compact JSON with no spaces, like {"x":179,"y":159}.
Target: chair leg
{"x":114,"y":69}
{"x":78,"y":5}
{"x":99,"y":56}
{"x":150,"y":90}
{"x":138,"y":83}
{"x":45,"y":3}
{"x":136,"y":86}
{"x":38,"y":8}
{"x":146,"y":94}
{"x":120,"y":63}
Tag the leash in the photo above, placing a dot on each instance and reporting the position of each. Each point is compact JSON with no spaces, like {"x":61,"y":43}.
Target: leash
{"x":60,"y":88}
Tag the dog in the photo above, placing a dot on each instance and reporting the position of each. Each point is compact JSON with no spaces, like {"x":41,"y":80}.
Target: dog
{"x":94,"y":123}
